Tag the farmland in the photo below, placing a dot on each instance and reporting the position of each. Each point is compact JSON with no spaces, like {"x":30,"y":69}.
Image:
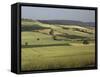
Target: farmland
{"x":53,"y":46}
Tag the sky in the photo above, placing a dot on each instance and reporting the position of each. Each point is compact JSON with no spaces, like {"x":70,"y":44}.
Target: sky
{"x":41,"y":13}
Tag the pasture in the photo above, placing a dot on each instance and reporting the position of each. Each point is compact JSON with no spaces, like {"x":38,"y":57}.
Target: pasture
{"x":40,"y":51}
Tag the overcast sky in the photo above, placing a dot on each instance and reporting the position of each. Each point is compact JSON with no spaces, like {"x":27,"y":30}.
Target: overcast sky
{"x":41,"y":13}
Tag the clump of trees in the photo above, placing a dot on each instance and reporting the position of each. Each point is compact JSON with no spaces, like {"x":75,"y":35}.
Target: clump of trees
{"x":52,"y":34}
{"x":85,"y":41}
{"x":38,"y":39}
{"x":26,"y":43}
{"x":54,"y":37}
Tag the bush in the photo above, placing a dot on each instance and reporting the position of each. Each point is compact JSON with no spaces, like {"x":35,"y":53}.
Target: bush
{"x":54,"y":37}
{"x":51,"y":32}
{"x":85,"y":42}
{"x":26,"y":43}
{"x":38,"y":39}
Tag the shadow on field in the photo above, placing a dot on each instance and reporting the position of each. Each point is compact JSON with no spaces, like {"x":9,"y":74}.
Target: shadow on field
{"x":46,"y":45}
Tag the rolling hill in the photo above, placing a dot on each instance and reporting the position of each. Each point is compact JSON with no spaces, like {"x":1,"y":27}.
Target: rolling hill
{"x":68,"y":31}
{"x":56,"y":46}
{"x":68,"y":22}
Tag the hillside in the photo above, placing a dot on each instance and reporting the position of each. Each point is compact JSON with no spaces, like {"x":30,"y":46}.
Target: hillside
{"x":65,"y":31}
{"x":47,"y":46}
{"x":68,"y":22}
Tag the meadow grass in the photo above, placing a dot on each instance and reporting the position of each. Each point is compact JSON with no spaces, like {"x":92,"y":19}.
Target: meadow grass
{"x":40,"y":51}
{"x":58,"y":57}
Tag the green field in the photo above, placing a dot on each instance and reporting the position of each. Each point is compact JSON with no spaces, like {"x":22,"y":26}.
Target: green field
{"x":41,"y":51}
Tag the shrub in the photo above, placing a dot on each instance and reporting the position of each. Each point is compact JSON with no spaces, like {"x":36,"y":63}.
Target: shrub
{"x":26,"y":43}
{"x":51,"y":32}
{"x":38,"y":39}
{"x":54,"y":37}
{"x":85,"y":42}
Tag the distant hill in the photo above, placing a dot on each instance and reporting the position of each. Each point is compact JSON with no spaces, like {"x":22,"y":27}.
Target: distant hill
{"x":68,"y":22}
{"x":63,"y":22}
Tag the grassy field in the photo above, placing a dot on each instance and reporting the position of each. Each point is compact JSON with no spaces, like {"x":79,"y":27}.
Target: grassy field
{"x":57,"y":57}
{"x":40,"y":51}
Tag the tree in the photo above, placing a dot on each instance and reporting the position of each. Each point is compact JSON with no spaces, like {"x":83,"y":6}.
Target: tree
{"x":51,"y":32}
{"x":38,"y":39}
{"x":26,"y":43}
{"x":85,"y":42}
{"x":54,"y":37}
